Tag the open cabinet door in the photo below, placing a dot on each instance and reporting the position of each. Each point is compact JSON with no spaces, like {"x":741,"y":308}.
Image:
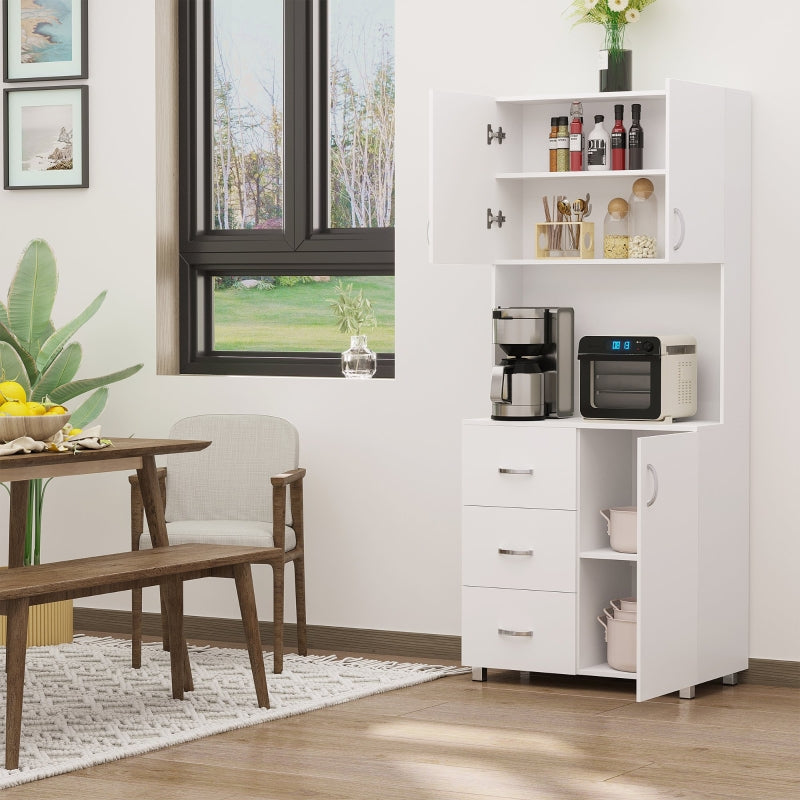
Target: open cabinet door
{"x":667,"y":579}
{"x":462,"y":170}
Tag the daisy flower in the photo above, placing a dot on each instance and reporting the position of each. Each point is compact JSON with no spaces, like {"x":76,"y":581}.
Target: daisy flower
{"x":617,"y":5}
{"x":632,"y":15}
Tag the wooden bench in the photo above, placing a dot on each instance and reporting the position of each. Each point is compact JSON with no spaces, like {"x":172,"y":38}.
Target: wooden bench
{"x":168,"y":567}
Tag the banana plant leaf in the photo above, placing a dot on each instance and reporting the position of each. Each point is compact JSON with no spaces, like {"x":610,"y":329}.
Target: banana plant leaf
{"x":32,"y":294}
{"x":12,"y":368}
{"x":6,"y":335}
{"x":57,"y":340}
{"x":3,"y":315}
{"x":69,"y":390}
{"x":63,"y":369}
{"x":89,"y":409}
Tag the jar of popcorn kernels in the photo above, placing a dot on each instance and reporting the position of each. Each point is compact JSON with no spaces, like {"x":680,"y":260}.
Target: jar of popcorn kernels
{"x":615,"y":230}
{"x":643,"y":220}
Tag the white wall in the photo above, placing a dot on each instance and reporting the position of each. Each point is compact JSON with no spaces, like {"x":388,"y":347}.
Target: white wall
{"x":383,"y":457}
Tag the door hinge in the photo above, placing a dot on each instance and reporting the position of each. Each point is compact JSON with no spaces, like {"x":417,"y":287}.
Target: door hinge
{"x":490,"y":218}
{"x":492,"y":135}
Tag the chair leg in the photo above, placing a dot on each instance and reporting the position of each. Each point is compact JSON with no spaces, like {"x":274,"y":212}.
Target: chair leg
{"x":136,"y":628}
{"x":277,"y":616}
{"x":300,"y":601}
{"x":247,"y":605}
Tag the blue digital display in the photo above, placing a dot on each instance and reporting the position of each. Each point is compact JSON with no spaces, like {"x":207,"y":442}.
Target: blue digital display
{"x":620,"y":345}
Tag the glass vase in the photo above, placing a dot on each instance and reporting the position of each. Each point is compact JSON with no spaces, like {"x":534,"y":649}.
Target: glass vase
{"x":616,"y":70}
{"x":358,"y":361}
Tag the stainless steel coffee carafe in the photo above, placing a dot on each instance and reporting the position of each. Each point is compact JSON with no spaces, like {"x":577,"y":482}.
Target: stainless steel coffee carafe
{"x":533,"y":373}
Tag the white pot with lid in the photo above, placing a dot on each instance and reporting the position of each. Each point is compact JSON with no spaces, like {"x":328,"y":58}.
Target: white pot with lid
{"x":621,"y":641}
{"x":621,"y":528}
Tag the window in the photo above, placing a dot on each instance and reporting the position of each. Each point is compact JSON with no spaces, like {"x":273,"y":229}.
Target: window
{"x":286,"y":181}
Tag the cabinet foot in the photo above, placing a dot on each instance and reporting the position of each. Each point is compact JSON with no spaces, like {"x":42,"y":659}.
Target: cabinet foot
{"x":480,"y":674}
{"x":687,"y":693}
{"x":730,"y":680}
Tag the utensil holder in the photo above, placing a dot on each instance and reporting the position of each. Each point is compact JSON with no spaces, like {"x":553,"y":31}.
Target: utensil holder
{"x":565,"y":240}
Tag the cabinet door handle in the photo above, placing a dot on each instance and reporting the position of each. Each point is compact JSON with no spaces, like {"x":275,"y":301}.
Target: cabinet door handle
{"x":505,"y":632}
{"x":652,"y":470}
{"x":505,"y":552}
{"x":510,"y":471}
{"x":679,"y":215}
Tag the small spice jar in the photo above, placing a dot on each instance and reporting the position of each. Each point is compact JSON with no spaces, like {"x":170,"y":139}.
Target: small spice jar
{"x":615,"y":232}
{"x":643,"y":220}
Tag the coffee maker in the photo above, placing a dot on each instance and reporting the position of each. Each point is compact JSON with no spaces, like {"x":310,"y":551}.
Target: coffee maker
{"x":532,"y":377}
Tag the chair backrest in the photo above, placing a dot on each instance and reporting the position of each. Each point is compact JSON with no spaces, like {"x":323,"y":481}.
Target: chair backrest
{"x":230,"y":478}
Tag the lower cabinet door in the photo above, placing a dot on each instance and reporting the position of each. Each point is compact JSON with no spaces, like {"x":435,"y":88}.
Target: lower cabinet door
{"x":518,"y":629}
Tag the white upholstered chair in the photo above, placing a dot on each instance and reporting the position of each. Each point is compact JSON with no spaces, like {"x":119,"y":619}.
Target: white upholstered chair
{"x":223,"y":495}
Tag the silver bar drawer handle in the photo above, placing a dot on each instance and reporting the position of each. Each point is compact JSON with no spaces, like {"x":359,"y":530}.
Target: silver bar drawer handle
{"x":504,"y":552}
{"x":509,"y":471}
{"x":504,"y":632}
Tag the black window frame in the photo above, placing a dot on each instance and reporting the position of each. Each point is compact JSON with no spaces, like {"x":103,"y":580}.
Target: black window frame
{"x":301,"y":247}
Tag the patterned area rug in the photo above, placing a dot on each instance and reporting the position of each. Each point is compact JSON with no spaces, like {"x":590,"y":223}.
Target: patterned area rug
{"x":85,"y":705}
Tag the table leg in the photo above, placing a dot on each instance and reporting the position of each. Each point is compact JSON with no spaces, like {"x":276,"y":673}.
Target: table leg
{"x":16,"y":523}
{"x":16,"y":641}
{"x":154,"y":512}
{"x":247,"y":605}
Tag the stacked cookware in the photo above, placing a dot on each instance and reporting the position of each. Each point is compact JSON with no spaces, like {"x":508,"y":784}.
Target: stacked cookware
{"x":619,"y":621}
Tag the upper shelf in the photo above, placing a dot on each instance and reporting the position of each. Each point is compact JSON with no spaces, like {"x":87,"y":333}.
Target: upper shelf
{"x":605,"y":174}
{"x":621,"y":97}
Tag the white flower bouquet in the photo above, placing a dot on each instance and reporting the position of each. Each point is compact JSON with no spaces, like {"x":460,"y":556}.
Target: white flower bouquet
{"x":613,"y":15}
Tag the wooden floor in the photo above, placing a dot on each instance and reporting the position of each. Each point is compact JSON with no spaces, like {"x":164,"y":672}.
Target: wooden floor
{"x":517,"y":736}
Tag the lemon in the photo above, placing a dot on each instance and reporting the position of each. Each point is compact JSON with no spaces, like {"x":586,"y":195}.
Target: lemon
{"x":75,"y":431}
{"x":35,"y":409}
{"x":15,"y":409}
{"x":11,"y":390}
{"x":56,"y":410}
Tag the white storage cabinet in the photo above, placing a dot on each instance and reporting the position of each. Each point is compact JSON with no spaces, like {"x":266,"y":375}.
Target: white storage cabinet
{"x":537,"y":567}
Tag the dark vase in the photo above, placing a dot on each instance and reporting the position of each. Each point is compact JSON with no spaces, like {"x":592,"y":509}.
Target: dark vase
{"x":618,"y":76}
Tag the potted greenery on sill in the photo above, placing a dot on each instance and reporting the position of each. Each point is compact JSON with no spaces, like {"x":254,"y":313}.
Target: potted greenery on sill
{"x":45,"y":361}
{"x":354,"y":312}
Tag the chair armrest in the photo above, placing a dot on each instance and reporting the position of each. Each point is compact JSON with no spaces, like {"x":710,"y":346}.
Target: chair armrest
{"x":137,"y":507}
{"x":293,"y":479}
{"x":285,"y":478}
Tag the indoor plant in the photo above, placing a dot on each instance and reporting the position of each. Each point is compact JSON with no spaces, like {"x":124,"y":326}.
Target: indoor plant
{"x":354,"y":312}
{"x":614,"y":16}
{"x":44,"y":361}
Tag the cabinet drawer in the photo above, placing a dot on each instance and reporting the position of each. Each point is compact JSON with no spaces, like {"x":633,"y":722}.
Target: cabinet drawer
{"x":514,"y":465}
{"x":518,"y":548}
{"x":544,"y":624}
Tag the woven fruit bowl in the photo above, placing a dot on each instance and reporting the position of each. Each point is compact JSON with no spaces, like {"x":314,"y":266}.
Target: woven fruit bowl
{"x":40,"y":427}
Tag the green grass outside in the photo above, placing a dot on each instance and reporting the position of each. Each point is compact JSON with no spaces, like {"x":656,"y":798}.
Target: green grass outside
{"x":298,"y":318}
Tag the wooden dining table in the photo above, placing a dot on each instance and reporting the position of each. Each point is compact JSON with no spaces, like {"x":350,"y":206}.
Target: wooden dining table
{"x":120,"y":455}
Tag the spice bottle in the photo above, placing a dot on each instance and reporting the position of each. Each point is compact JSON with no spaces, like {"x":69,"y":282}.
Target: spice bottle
{"x":576,"y":137}
{"x":642,"y":220}
{"x":562,"y":148}
{"x":618,"y":140}
{"x":553,"y":142}
{"x":598,"y":146}
{"x":615,"y":231}
{"x":635,"y":139}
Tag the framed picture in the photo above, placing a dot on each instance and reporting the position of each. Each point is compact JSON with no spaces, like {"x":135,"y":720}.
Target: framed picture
{"x":45,"y":40}
{"x":46,"y":137}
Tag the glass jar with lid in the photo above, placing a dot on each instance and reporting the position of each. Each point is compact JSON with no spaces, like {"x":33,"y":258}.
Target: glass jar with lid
{"x":643,"y":220}
{"x":615,"y":231}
